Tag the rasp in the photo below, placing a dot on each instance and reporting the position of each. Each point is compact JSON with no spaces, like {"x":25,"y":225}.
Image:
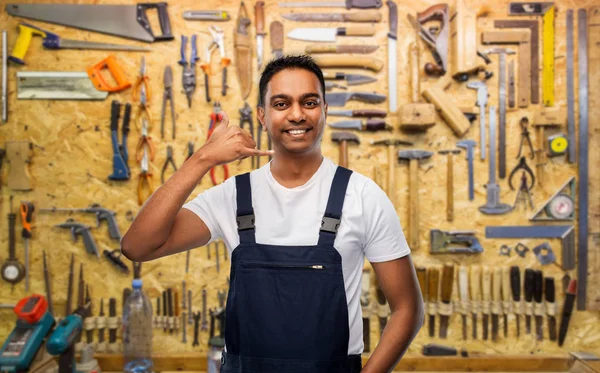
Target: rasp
{"x":475,"y":288}
{"x":445,"y":306}
{"x":550,"y":292}
{"x":486,"y":291}
{"x":433,"y":278}
{"x":515,"y":285}
{"x":496,"y":301}
{"x":538,"y":306}
{"x":528,"y":286}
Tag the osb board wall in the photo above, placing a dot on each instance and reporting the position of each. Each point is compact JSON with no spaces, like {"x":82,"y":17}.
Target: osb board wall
{"x":72,"y":159}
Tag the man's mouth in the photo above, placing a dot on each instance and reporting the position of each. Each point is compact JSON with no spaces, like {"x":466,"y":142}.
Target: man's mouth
{"x":298,"y":132}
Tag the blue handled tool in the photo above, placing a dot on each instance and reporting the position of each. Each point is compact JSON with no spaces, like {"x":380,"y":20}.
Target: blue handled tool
{"x":120,"y":155}
{"x":189,"y":68}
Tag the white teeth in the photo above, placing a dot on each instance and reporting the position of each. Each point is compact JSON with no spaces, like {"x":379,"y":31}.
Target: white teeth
{"x":296,"y":132}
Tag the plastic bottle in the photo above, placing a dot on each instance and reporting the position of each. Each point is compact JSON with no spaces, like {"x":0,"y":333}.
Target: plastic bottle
{"x":137,"y":331}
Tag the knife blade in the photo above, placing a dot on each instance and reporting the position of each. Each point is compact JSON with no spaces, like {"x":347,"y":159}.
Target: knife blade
{"x":362,"y":16}
{"x":370,"y":125}
{"x":276,"y":33}
{"x":496,"y":301}
{"x":347,"y":48}
{"x":475,"y":290}
{"x":348,"y":4}
{"x":445,"y":306}
{"x":463,"y":291}
{"x":259,"y":14}
{"x":392,"y":57}
{"x":506,"y":298}
{"x":432,"y":295}
{"x":529,"y":284}
{"x":550,"y":306}
{"x":340,"y":98}
{"x":538,"y":307}
{"x":351,"y":79}
{"x":369,"y":113}
{"x":515,"y":285}
{"x":486,"y":283}
{"x":566,"y":311}
{"x":325,"y":34}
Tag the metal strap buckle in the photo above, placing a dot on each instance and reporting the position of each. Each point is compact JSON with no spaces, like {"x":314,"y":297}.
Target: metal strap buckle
{"x":245,"y":222}
{"x":330,"y":225}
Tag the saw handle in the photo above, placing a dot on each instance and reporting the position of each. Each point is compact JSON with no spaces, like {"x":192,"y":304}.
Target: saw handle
{"x":26,"y":32}
{"x":163,"y":20}
{"x":117,"y":72}
{"x":436,"y":12}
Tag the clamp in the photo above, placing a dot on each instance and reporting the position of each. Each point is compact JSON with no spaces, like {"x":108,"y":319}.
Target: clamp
{"x":168,"y":161}
{"x":521,"y":165}
{"x":167,"y":96}
{"x":525,"y":137}
{"x":217,"y":42}
{"x":211,"y":127}
{"x":246,"y":117}
{"x":188,"y":76}
{"x":145,"y":178}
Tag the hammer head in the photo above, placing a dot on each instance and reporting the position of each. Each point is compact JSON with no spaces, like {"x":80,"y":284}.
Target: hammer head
{"x":341,"y":136}
{"x":391,"y":142}
{"x":468,"y":145}
{"x":414,"y":154}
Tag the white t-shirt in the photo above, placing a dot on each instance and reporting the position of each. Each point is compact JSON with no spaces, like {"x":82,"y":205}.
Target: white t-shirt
{"x":370,"y":226}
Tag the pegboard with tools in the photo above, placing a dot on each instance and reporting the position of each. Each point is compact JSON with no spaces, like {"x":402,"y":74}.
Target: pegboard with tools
{"x":476,"y":119}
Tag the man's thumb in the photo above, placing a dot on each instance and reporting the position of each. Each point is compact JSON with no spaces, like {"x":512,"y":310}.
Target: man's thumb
{"x":222,"y":119}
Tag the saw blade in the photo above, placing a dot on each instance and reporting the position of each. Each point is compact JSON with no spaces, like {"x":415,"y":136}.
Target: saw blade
{"x":57,"y":86}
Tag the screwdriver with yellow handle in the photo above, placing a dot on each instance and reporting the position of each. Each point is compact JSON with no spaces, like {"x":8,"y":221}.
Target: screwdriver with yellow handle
{"x":53,"y":41}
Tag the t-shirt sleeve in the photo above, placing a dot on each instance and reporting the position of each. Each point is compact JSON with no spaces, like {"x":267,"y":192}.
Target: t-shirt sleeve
{"x":384,"y":239}
{"x":211,"y":206}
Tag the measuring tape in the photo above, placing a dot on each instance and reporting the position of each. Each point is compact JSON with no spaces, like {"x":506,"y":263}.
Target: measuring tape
{"x":558,"y":144}
{"x":560,"y":207}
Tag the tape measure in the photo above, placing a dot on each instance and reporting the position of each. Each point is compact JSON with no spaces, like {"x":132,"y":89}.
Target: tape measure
{"x":558,"y":144}
{"x":560,"y":207}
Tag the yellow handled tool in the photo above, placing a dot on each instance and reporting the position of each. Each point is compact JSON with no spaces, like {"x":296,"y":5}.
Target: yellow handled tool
{"x":26,"y":32}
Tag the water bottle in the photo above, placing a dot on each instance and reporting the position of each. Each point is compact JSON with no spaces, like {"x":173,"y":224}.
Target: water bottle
{"x":137,"y":331}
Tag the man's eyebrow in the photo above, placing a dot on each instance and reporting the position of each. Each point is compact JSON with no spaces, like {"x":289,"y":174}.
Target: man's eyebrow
{"x":289,"y":98}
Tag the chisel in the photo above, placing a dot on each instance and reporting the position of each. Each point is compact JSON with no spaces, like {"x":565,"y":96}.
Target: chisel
{"x":515,"y":285}
{"x":529,"y":284}
{"x":496,"y":301}
{"x":486,"y":290}
{"x":445,"y":306}
{"x":101,"y":326}
{"x":475,"y":296}
{"x":507,"y":305}
{"x":463,"y":289}
{"x":566,"y":311}
{"x":422,"y":277}
{"x":538,"y":307}
{"x":432,"y":295}
{"x":550,"y":306}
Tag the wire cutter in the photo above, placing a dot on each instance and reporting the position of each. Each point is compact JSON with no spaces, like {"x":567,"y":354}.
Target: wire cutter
{"x":217,"y":42}
{"x":142,"y":80}
{"x":167,"y":96}
{"x":525,"y":137}
{"x":188,"y":76}
{"x":168,"y":161}
{"x":522,"y":165}
{"x":145,"y":141}
{"x":246,"y":117}
{"x":145,"y":179}
{"x":211,"y":127}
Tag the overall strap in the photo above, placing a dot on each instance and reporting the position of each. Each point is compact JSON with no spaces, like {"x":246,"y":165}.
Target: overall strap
{"x":245,"y":212}
{"x":333,"y":211}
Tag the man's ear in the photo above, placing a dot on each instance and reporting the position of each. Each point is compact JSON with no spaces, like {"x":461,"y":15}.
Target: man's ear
{"x":260,"y":113}
{"x":326,"y":108}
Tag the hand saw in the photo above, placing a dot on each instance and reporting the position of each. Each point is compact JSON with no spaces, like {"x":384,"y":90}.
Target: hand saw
{"x":127,"y":21}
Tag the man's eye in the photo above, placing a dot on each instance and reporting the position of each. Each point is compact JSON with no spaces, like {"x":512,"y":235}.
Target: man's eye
{"x":279,"y":104}
{"x":312,"y":103}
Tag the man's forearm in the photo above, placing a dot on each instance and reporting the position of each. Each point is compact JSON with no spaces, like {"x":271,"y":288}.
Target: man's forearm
{"x":151,"y":227}
{"x":400,"y":330}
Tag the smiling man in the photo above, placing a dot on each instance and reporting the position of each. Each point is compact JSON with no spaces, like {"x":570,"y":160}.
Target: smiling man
{"x":298,"y":230}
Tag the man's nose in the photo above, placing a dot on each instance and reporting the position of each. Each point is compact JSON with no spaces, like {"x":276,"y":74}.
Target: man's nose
{"x":295,"y":113}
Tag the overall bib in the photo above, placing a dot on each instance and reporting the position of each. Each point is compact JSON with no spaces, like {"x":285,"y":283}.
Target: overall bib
{"x":286,"y":309}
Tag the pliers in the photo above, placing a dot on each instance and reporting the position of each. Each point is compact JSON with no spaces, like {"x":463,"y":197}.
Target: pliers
{"x":211,"y":127}
{"x":168,"y":161}
{"x":145,"y":141}
{"x":145,"y":179}
{"x":246,"y":117}
{"x":525,"y":137}
{"x":167,"y":96}
{"x":521,"y":165}
{"x":142,"y":81}
{"x":217,"y":42}
{"x":189,"y":69}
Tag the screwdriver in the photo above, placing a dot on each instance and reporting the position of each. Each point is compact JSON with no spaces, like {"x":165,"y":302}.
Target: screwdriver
{"x":27,"y":209}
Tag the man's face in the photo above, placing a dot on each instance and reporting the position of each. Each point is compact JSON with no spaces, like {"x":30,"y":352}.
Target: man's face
{"x":295,"y":111}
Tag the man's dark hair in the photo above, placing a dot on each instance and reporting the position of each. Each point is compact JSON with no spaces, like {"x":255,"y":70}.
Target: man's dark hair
{"x":288,"y":62}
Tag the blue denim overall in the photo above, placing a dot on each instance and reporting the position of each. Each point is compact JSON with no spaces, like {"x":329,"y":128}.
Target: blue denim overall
{"x":286,"y":308}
